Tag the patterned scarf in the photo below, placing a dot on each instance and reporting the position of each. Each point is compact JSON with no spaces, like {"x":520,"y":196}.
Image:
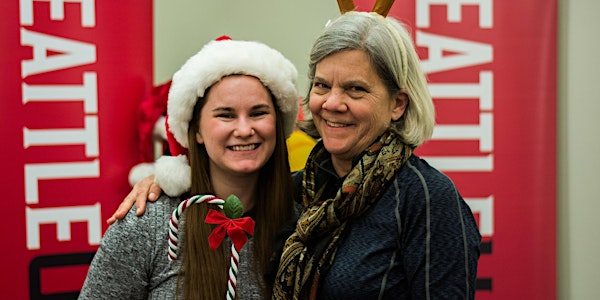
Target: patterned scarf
{"x":311,"y":249}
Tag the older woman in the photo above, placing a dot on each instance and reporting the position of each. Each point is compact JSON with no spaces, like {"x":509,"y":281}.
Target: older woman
{"x":378,"y":222}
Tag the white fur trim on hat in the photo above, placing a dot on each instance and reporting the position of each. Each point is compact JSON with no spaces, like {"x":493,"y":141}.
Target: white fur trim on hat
{"x":228,"y":57}
{"x":173,"y":174}
{"x":139,"y":172}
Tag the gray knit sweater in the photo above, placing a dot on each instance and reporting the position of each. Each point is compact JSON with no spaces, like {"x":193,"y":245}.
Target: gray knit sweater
{"x":132,"y":261}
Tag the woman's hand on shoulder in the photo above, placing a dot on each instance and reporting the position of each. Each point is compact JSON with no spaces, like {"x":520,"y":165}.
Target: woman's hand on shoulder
{"x":144,"y":190}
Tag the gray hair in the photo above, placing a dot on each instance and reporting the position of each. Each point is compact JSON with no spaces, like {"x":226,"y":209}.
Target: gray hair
{"x":391,"y":51}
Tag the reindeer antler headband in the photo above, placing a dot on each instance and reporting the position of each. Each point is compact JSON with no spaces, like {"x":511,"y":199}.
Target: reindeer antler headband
{"x":381,"y":7}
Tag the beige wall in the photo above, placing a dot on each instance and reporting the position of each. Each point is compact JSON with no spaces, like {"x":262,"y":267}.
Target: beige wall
{"x":288,"y":26}
{"x":183,"y":26}
{"x":578,"y":149}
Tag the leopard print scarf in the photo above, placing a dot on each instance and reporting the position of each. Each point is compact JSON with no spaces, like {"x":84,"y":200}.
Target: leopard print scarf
{"x":311,"y":248}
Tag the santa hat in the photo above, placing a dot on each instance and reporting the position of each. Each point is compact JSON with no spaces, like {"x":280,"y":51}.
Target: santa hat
{"x":217,"y":59}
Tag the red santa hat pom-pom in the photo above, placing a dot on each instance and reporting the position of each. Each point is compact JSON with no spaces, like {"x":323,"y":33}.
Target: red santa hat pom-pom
{"x":223,"y":38}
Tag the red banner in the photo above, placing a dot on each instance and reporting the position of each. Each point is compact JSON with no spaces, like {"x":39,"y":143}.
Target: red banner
{"x":492,"y":72}
{"x":73,"y":73}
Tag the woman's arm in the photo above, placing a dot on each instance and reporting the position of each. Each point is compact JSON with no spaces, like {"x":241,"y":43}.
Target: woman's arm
{"x":144,"y":190}
{"x":119,"y":268}
{"x":132,"y":260}
{"x":441,"y":242}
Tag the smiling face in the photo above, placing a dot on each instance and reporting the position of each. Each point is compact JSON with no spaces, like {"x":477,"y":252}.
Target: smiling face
{"x":237,"y":125}
{"x":351,"y":106}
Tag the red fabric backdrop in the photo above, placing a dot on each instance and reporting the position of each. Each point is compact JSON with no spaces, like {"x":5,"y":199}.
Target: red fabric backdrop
{"x":73,"y":73}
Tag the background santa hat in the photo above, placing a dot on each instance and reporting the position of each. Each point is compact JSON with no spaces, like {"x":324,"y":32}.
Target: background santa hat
{"x":152,"y":133}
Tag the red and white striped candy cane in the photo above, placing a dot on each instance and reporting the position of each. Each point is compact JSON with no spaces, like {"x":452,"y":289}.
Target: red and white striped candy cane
{"x":173,"y":239}
{"x":176,"y":215}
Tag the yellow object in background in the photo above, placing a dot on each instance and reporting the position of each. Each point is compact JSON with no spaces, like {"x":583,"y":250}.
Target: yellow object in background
{"x":299,"y":146}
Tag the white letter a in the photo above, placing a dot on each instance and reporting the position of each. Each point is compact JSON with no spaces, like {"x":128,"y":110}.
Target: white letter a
{"x":69,"y":53}
{"x":464,"y":53}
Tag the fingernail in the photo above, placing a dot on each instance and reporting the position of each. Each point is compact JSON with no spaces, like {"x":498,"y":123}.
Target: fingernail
{"x":152,"y":196}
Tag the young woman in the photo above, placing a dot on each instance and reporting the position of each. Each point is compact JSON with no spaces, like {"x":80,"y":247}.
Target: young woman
{"x":230,"y":108}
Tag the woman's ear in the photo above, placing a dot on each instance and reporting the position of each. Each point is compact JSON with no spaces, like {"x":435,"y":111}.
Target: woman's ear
{"x":399,"y":105}
{"x":199,"y":138}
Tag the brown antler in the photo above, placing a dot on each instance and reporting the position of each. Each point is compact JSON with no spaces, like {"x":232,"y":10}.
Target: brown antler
{"x":345,"y":5}
{"x":382,"y":7}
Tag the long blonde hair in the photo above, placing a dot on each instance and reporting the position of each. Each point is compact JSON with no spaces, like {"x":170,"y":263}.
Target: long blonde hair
{"x":205,"y":271}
